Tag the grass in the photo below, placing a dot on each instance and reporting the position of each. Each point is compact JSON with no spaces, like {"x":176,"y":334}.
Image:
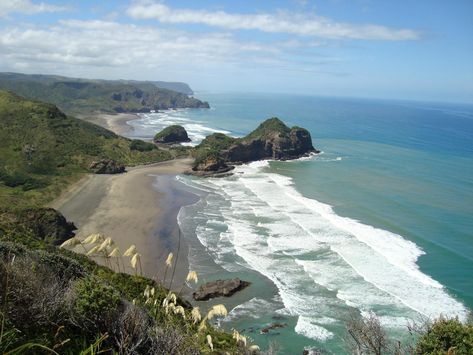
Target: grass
{"x":54,"y":299}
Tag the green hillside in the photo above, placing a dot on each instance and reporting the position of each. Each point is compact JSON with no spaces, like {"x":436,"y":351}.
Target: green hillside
{"x":42,"y":150}
{"x":82,"y":96}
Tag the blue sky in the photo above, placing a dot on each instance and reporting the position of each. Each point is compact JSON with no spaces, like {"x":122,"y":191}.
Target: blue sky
{"x":420,"y":50}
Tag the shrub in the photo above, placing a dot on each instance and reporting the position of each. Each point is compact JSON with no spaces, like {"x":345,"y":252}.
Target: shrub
{"x":94,"y":301}
{"x":137,"y":144}
{"x":446,"y":335}
{"x":22,"y":179}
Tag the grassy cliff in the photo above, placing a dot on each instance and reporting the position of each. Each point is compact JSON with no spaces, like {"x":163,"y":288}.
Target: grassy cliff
{"x":82,"y":96}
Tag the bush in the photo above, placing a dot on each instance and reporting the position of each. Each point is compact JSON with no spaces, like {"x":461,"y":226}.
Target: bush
{"x":94,"y":301}
{"x":446,"y":335}
{"x":141,"y":146}
{"x":21,"y":179}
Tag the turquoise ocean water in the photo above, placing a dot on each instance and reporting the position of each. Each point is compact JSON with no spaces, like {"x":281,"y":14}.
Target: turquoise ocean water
{"x":380,"y":221}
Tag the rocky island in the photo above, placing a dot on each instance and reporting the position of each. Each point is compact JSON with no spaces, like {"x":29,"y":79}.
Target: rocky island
{"x":172,"y":135}
{"x":272,"y":139}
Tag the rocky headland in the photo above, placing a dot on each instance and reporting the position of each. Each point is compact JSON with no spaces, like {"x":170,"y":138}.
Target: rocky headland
{"x":272,"y":139}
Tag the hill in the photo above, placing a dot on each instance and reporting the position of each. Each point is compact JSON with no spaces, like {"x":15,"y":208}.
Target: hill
{"x":272,"y":139}
{"x":42,"y":150}
{"x":82,"y":96}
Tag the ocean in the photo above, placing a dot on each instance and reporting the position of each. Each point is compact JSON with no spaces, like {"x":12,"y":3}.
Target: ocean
{"x":380,"y":221}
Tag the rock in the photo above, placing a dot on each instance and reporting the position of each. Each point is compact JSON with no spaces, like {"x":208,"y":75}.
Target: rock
{"x":271,"y":140}
{"x":107,"y":166}
{"x":272,"y":326}
{"x":219,"y":288}
{"x":171,"y":135}
{"x":274,"y":145}
{"x":211,"y":165}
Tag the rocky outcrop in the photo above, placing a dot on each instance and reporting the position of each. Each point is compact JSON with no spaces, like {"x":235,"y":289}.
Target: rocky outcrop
{"x":219,"y":288}
{"x":106,"y":166}
{"x":211,"y":165}
{"x":272,"y":326}
{"x":172,"y":135}
{"x":271,"y":140}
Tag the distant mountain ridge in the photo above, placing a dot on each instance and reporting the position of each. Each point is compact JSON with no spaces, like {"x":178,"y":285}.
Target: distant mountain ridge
{"x":177,"y":86}
{"x":82,"y":96}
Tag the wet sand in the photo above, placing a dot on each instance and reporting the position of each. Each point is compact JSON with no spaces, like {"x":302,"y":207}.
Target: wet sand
{"x":138,"y":207}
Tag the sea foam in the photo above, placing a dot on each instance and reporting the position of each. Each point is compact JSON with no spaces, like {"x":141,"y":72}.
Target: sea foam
{"x":320,"y":262}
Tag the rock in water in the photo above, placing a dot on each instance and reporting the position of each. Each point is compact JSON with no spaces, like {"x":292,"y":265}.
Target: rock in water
{"x":107,"y":166}
{"x":219,"y":288}
{"x":271,"y":140}
{"x":171,"y":135}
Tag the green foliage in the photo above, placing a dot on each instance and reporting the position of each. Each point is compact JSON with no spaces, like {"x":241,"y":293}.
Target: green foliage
{"x":137,"y":144}
{"x":446,"y":334}
{"x":212,"y":145}
{"x":169,"y":131}
{"x":94,"y":299}
{"x":42,"y":150}
{"x":76,"y":96}
{"x":271,"y":125}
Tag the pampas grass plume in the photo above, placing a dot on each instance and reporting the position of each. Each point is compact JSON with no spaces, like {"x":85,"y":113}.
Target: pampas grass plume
{"x":195,"y":315}
{"x":209,"y":341}
{"x":135,"y":260}
{"x":94,"y":250}
{"x":192,"y":276}
{"x":114,"y":253}
{"x":169,"y":260}
{"x":70,"y":243}
{"x":130,"y":251}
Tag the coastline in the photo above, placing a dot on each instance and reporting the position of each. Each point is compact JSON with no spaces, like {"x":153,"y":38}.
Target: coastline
{"x":139,"y":207}
{"x":116,"y":123}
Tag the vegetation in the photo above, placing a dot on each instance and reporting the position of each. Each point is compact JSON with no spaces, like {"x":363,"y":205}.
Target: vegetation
{"x":42,"y":150}
{"x":270,"y":126}
{"x":439,"y":337}
{"x":81,"y":96}
{"x":141,"y":146}
{"x":62,"y":302}
{"x":212,"y":146}
{"x":172,"y":134}
{"x":444,"y":336}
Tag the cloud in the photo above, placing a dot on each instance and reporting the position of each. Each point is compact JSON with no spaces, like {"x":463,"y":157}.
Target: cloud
{"x":300,"y":24}
{"x":106,"y":44}
{"x":26,"y":7}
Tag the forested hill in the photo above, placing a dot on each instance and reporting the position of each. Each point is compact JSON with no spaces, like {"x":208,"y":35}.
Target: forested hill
{"x":82,"y":96}
{"x":42,"y":149}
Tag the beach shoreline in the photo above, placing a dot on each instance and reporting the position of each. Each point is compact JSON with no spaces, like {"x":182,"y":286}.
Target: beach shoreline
{"x":116,"y":122}
{"x":138,"y":207}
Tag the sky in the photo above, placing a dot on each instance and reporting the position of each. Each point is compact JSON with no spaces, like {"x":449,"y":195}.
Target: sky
{"x":395,"y":49}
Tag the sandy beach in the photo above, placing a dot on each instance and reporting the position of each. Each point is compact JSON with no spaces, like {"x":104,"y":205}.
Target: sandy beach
{"x":114,"y":122}
{"x":138,"y":207}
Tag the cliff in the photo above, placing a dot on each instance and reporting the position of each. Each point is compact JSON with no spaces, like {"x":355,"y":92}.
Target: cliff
{"x":83,"y":96}
{"x":271,"y":140}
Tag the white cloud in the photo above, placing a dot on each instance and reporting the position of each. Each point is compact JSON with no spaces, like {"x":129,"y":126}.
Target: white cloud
{"x":26,"y":7}
{"x":73,"y":44}
{"x":280,"y":22}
